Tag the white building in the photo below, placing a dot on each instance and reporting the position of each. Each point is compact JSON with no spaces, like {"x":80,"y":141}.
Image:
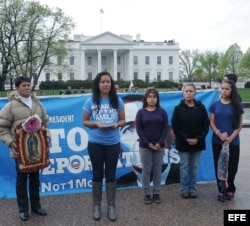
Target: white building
{"x":125,"y":58}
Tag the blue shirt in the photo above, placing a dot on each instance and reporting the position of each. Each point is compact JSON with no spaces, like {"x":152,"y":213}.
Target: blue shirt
{"x":106,"y":115}
{"x":224,"y":121}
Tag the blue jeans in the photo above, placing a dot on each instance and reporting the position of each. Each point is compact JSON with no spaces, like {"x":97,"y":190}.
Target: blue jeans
{"x":104,"y":158}
{"x":189,"y":165}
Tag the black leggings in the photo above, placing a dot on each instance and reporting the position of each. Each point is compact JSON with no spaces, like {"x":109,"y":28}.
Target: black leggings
{"x":104,"y":158}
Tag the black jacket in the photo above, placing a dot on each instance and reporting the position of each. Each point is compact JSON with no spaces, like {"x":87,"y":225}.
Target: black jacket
{"x":190,"y":122}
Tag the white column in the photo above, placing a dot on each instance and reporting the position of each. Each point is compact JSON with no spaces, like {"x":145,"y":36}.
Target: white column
{"x":130,"y":68}
{"x":115,"y":64}
{"x":99,"y":66}
{"x":83,"y":75}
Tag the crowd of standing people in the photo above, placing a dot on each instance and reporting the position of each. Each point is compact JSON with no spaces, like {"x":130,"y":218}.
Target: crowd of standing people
{"x":103,"y":113}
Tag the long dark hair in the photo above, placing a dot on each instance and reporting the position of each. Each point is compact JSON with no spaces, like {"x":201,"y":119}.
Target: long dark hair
{"x":113,"y":98}
{"x":236,"y":103}
{"x":154,"y":91}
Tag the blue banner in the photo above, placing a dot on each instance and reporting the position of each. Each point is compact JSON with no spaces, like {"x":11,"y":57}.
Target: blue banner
{"x":70,"y":169}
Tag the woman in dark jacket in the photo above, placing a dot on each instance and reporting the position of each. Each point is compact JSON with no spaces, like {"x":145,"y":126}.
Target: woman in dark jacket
{"x":190,"y":123}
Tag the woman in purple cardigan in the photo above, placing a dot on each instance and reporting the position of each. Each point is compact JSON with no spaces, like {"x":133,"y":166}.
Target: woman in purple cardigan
{"x":151,"y":126}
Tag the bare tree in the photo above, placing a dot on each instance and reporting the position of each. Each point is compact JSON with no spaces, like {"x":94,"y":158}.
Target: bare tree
{"x":244,"y":65}
{"x":31,"y":35}
{"x":188,"y":64}
{"x":232,"y":58}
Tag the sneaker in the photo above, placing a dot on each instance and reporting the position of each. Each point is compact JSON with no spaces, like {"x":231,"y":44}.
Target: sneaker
{"x":185,"y":195}
{"x":230,"y":195}
{"x":193,"y":194}
{"x":221,"y":197}
{"x":147,"y":199}
{"x":156,"y":198}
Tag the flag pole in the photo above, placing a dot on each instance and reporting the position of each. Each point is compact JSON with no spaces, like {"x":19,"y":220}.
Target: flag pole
{"x":101,"y":12}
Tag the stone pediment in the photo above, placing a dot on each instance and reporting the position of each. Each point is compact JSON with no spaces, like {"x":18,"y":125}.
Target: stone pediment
{"x":107,"y":38}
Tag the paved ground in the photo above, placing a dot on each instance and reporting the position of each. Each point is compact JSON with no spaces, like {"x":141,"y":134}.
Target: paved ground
{"x":74,"y":210}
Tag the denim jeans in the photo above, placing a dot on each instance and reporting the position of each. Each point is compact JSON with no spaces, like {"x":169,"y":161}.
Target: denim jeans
{"x":151,"y":162}
{"x":104,"y":158}
{"x":189,"y":165}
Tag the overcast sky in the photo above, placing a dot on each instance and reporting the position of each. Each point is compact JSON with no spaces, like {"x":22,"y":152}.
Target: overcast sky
{"x":194,"y":24}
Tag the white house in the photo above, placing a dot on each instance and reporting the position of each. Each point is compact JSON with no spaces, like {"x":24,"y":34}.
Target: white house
{"x":125,"y":58}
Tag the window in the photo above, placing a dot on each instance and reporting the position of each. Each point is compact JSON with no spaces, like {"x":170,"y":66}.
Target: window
{"x":147,"y":60}
{"x":104,"y":60}
{"x":135,"y":60}
{"x":59,"y":76}
{"x":158,"y":76}
{"x":71,"y":60}
{"x":47,"y":76}
{"x":135,"y":75}
{"x":147,"y":75}
{"x":90,"y":76}
{"x":72,"y":76}
{"x":118,"y":76}
{"x":171,"y":76}
{"x":159,"y":60}
{"x":59,"y":60}
{"x":170,"y":60}
{"x":89,"y":61}
{"x":118,"y":60}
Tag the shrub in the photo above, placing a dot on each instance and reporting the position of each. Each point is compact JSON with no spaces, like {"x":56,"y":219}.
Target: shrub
{"x":247,"y":84}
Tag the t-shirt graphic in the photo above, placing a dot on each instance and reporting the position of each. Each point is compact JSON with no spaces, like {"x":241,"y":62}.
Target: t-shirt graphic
{"x":106,"y":115}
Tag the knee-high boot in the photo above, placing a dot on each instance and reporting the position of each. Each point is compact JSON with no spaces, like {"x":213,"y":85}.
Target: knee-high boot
{"x":97,"y":198}
{"x":111,"y":193}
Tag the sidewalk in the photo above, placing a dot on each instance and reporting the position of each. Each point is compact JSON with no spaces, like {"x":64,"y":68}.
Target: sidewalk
{"x":76,"y":209}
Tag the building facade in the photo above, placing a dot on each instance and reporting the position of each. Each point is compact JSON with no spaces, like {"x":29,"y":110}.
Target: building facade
{"x":125,"y":58}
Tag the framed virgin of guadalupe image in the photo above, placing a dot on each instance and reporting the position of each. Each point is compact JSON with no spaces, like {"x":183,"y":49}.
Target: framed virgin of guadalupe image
{"x":32,"y":149}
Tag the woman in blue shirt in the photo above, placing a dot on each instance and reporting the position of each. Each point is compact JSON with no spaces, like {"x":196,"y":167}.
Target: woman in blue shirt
{"x":104,"y":113}
{"x":226,"y":122}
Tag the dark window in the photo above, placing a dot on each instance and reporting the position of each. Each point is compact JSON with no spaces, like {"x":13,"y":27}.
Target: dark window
{"x":147,"y":75}
{"x":59,"y":76}
{"x":118,"y":76}
{"x":72,"y":76}
{"x":135,"y":60}
{"x":47,"y":76}
{"x":104,"y":60}
{"x":171,"y":60}
{"x":89,"y":60}
{"x":135,"y":75}
{"x":158,"y":76}
{"x":159,"y":60}
{"x":90,"y":76}
{"x":71,"y":60}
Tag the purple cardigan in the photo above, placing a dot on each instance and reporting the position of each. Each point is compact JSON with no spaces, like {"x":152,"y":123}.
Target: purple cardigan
{"x":151,"y":126}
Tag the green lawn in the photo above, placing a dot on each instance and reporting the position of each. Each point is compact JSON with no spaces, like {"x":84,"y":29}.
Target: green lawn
{"x":245,"y":94}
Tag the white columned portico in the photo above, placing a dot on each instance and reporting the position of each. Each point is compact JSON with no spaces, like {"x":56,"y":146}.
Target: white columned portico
{"x":115,"y":64}
{"x":130,"y":66}
{"x":99,"y":66}
{"x":82,"y":76}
